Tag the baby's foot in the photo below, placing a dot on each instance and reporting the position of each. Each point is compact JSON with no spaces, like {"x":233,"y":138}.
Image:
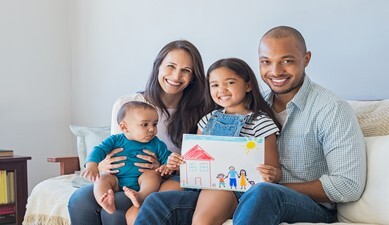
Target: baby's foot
{"x":133,"y":196}
{"x":107,"y":202}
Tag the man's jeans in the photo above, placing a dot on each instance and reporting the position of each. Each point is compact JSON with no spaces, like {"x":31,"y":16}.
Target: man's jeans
{"x":271,"y":204}
{"x":264,"y":203}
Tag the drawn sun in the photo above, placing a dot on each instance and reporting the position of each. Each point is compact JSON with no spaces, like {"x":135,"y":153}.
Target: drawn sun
{"x":250,"y":145}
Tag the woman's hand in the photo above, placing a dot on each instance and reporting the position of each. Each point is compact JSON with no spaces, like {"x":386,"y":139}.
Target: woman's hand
{"x":152,"y":160}
{"x":268,"y":173}
{"x":174,"y":161}
{"x":107,"y":166}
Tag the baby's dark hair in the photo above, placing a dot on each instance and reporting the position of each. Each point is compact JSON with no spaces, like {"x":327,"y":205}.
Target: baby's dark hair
{"x":130,"y":106}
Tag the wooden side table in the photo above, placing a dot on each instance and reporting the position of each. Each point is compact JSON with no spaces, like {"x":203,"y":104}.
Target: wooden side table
{"x":19,"y":165}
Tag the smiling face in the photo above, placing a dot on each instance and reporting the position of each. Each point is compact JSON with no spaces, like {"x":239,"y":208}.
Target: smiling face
{"x":282,"y":65}
{"x":140,"y":124}
{"x":228,"y":90}
{"x":175,"y":73}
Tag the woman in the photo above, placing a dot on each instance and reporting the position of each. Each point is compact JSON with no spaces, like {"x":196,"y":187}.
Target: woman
{"x":176,"y":88}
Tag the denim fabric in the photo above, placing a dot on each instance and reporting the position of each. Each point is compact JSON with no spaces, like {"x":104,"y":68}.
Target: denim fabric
{"x":177,"y":207}
{"x":221,"y":124}
{"x":271,"y":204}
{"x":175,"y":177}
{"x":168,"y":208}
{"x":84,"y":210}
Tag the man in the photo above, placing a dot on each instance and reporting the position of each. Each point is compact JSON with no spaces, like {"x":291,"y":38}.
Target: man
{"x":321,"y":148}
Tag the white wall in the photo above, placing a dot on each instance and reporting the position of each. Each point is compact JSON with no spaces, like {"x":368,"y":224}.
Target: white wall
{"x":35,"y":82}
{"x":65,"y":61}
{"x":114,"y":43}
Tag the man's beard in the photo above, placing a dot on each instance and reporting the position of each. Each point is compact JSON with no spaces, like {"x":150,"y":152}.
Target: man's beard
{"x":293,"y":87}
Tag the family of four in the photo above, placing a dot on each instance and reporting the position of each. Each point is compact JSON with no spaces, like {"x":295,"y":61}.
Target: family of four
{"x":314,"y":149}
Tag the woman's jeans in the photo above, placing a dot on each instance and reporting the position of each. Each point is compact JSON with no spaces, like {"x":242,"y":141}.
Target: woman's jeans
{"x":84,"y":210}
{"x":262,"y":204}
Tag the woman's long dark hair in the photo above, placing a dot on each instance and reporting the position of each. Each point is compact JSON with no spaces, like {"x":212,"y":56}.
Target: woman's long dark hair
{"x":192,"y":105}
{"x":254,"y":100}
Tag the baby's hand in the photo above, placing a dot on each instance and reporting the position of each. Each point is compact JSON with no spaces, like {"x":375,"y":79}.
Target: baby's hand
{"x":267,"y":172}
{"x":90,"y":175}
{"x":164,"y":170}
{"x":91,"y":172}
{"x":174,"y":161}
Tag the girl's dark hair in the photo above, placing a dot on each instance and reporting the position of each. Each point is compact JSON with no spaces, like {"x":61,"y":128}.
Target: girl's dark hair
{"x":254,"y":100}
{"x":192,"y":106}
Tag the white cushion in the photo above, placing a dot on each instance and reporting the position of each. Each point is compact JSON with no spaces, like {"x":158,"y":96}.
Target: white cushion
{"x":87,"y":138}
{"x":373,"y":116}
{"x":373,"y":206}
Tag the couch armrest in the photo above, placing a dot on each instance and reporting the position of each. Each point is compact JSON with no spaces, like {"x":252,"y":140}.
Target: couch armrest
{"x":67,"y":164}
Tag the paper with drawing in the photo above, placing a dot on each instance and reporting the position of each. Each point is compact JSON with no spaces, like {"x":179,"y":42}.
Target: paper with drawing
{"x":218,"y":162}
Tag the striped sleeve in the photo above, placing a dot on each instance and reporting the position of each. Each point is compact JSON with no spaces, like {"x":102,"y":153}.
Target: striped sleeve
{"x":262,"y":126}
{"x":201,"y":124}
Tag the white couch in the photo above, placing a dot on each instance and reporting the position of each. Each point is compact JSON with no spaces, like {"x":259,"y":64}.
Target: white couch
{"x":47,"y":203}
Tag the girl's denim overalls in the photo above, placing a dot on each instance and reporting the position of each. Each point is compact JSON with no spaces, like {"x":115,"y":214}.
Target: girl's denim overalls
{"x":221,"y":124}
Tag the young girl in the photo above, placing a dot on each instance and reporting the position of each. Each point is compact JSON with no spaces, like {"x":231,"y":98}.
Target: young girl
{"x":239,"y":106}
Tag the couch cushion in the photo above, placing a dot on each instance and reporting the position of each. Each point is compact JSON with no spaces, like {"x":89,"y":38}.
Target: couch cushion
{"x":373,"y":206}
{"x":373,"y":116}
{"x":87,"y":138}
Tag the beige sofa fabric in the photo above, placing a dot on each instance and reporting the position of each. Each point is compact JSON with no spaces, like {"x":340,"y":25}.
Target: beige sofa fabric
{"x":373,"y":116}
{"x":46,"y":206}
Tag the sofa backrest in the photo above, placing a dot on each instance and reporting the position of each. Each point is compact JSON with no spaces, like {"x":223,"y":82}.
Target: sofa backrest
{"x":372,"y":207}
{"x":373,"y":117}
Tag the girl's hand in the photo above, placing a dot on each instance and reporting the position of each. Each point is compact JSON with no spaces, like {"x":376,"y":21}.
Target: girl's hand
{"x":164,"y":170}
{"x":174,"y":161}
{"x":267,"y":172}
{"x":152,"y":160}
{"x":107,"y":166}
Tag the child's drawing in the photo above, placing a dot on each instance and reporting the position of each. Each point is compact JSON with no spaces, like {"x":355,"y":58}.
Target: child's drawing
{"x":243,"y":179}
{"x":221,"y":177}
{"x":233,"y":176}
{"x":213,"y":162}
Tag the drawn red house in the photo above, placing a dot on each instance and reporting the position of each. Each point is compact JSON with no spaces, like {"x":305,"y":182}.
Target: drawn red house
{"x":198,"y":167}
